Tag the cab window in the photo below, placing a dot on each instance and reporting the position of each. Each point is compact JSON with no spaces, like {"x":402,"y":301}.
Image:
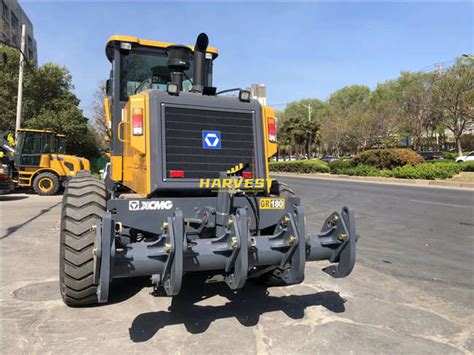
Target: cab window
{"x":32,"y":144}
{"x":144,"y":69}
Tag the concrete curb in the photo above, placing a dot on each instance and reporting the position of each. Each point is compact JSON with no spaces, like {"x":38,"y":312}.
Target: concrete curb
{"x":382,"y":180}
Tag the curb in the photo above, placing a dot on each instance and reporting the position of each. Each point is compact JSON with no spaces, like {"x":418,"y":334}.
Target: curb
{"x":381,"y":180}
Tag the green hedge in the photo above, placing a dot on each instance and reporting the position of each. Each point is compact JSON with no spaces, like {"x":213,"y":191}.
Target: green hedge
{"x":340,"y":167}
{"x":345,"y":167}
{"x":364,"y":170}
{"x":450,"y":155}
{"x":300,"y":166}
{"x":428,"y":171}
{"x":467,"y":166}
{"x":387,"y":158}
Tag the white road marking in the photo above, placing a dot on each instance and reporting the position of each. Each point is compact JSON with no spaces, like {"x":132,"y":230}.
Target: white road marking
{"x":441,"y":204}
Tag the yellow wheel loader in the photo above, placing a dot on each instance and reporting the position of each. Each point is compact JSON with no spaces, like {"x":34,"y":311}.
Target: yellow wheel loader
{"x":188,"y":187}
{"x":39,"y":161}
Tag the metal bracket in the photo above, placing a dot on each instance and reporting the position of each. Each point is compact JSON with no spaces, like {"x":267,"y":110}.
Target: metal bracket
{"x":296,"y":255}
{"x":345,"y":231}
{"x":238,"y":262}
{"x":107,"y":244}
{"x":97,"y":252}
{"x":172,"y":276}
{"x":292,"y":239}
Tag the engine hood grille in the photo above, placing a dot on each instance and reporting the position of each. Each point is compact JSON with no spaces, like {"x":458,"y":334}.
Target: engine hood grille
{"x":203,"y":142}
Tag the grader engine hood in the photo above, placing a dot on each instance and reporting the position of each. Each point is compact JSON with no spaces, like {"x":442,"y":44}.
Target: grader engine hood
{"x":193,"y":138}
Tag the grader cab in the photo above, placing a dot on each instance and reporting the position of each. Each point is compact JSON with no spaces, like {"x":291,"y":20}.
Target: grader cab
{"x":188,"y":189}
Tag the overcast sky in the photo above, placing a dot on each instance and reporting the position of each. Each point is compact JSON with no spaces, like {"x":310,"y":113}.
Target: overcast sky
{"x":298,"y":50}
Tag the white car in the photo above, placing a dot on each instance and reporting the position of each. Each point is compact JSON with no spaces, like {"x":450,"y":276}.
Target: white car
{"x":469,"y":157}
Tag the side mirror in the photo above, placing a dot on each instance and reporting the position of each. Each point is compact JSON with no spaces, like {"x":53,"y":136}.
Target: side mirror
{"x":108,"y":87}
{"x":61,"y":150}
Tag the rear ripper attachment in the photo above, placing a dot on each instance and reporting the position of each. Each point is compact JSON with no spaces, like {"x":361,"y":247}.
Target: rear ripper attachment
{"x":228,"y":234}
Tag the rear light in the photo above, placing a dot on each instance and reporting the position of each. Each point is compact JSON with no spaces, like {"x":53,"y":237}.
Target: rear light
{"x":272,"y":132}
{"x":176,"y":174}
{"x":137,"y":121}
{"x":247,"y":174}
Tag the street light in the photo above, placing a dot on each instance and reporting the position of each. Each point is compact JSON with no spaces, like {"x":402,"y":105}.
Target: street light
{"x":20,"y":81}
{"x":309,"y":111}
{"x":23,"y":60}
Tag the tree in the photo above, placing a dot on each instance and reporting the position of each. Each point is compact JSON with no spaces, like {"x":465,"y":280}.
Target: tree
{"x":9,"y":86}
{"x":454,"y":92}
{"x":383,"y":128}
{"x":343,"y":99}
{"x":306,"y":116}
{"x":345,"y":107}
{"x":48,"y":102}
{"x":415,"y":98}
{"x":98,"y":117}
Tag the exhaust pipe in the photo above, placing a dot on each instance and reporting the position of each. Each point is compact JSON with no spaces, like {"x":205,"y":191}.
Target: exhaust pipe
{"x":200,"y":48}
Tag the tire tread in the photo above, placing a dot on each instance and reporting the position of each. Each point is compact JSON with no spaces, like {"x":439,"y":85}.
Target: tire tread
{"x":84,"y":202}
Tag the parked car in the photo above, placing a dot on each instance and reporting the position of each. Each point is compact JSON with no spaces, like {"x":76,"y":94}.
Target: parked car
{"x":329,"y":158}
{"x":469,"y":157}
{"x":428,"y":155}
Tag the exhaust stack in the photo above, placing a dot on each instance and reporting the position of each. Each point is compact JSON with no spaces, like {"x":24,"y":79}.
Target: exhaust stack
{"x":200,"y":48}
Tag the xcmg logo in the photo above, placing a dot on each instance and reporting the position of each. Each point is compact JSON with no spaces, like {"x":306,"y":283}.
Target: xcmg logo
{"x":149,"y":205}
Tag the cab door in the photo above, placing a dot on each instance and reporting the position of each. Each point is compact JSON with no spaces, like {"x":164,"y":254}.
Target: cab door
{"x":31,"y":148}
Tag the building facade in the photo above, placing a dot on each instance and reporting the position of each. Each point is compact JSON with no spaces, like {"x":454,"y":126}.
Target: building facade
{"x":259,"y":92}
{"x":12,"y":17}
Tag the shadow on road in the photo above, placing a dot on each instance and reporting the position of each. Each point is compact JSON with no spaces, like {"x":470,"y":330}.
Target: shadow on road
{"x":16,"y":227}
{"x":123,"y":289}
{"x":246,"y":305}
{"x":12,"y":197}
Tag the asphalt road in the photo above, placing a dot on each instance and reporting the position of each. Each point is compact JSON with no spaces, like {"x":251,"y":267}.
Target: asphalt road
{"x":423,"y":236}
{"x":411,"y":291}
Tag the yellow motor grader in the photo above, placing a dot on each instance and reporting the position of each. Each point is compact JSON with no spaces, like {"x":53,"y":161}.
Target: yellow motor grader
{"x":188,"y":187}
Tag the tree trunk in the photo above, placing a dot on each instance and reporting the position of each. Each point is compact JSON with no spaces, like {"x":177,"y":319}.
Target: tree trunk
{"x":458,"y":144}
{"x":308,"y":149}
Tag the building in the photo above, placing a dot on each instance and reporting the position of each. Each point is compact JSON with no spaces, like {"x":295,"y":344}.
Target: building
{"x":259,"y":92}
{"x":12,"y":17}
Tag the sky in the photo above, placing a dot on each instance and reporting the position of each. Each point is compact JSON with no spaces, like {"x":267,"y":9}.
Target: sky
{"x":298,"y":50}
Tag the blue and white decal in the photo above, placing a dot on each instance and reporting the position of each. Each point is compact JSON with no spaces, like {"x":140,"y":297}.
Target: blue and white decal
{"x":211,"y":139}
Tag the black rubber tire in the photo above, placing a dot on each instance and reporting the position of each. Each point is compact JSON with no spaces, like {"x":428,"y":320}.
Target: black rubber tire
{"x":84,"y":202}
{"x":49,"y":180}
{"x":272,"y":278}
{"x":285,"y":190}
{"x":83,"y":173}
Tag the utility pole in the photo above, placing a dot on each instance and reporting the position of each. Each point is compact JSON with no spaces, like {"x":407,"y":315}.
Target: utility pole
{"x":20,"y":81}
{"x":309,"y":111}
{"x":310,"y":137}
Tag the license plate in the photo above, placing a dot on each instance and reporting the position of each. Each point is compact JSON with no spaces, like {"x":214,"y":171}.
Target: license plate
{"x":272,"y":203}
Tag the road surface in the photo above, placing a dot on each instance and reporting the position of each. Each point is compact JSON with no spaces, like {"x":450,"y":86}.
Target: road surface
{"x":411,"y":290}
